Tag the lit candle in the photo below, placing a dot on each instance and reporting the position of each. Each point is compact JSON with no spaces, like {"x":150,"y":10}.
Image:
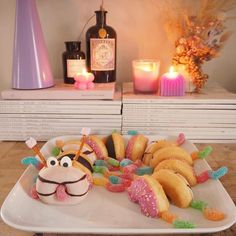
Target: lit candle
{"x":84,"y":80}
{"x":145,"y":76}
{"x":172,"y":84}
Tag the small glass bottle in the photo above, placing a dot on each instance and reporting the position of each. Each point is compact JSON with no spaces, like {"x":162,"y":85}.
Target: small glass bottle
{"x":73,"y":61}
{"x":101,"y":49}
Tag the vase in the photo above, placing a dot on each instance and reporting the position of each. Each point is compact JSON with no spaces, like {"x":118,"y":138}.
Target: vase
{"x":31,"y":67}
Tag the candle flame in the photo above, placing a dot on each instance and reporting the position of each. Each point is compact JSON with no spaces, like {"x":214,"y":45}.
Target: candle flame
{"x":172,"y":73}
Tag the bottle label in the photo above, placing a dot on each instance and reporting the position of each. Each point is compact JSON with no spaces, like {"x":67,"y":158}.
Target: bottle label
{"x":75,"y":66}
{"x":102,"y":53}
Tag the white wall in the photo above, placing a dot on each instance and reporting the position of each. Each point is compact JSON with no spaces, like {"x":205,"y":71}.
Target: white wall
{"x":137,"y":23}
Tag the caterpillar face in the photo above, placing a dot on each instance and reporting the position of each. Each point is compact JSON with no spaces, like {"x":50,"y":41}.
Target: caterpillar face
{"x":61,"y":182}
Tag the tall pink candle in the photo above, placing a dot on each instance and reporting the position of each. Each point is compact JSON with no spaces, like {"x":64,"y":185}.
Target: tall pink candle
{"x":145,"y":76}
{"x":172,"y":84}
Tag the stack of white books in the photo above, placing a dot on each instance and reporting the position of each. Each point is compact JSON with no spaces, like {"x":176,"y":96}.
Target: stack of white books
{"x":206,"y":117}
{"x":48,"y":113}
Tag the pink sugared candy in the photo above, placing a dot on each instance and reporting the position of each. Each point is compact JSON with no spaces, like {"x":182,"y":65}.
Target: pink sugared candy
{"x":130,"y":168}
{"x":117,"y":188}
{"x":203,"y":177}
{"x":181,"y":139}
{"x":33,"y":192}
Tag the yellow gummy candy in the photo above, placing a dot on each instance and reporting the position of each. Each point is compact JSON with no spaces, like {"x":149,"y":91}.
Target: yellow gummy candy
{"x":100,"y":181}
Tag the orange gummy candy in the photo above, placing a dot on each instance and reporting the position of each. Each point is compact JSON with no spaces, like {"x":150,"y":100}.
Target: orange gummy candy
{"x":168,"y":217}
{"x":213,"y":214}
{"x":194,"y":156}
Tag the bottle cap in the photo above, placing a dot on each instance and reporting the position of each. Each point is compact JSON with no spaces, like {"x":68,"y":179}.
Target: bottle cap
{"x":73,"y":46}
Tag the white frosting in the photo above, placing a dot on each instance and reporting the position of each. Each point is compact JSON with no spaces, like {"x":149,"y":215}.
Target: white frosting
{"x":59,"y":175}
{"x":31,"y":142}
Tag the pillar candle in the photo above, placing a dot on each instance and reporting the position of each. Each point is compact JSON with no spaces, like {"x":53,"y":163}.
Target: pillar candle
{"x":172,"y":84}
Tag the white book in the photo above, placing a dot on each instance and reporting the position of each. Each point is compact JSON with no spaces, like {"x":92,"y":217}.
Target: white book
{"x":213,"y":94}
{"x":62,"y":91}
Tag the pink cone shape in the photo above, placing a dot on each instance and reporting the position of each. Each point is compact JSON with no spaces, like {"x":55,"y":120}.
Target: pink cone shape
{"x":31,"y":67}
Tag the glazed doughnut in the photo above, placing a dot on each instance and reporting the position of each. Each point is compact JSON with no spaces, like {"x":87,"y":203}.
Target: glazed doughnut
{"x":149,"y":194}
{"x":170,"y":152}
{"x":115,"y":145}
{"x":180,"y":167}
{"x":136,"y":147}
{"x":175,"y":186}
{"x":97,"y":145}
{"x":153,"y":147}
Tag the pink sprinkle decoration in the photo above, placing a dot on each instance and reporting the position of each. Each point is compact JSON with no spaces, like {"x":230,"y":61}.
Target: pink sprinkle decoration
{"x":116,"y":188}
{"x":61,"y":193}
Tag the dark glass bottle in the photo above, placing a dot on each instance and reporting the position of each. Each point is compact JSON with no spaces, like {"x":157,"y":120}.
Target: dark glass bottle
{"x":101,"y":50}
{"x":73,"y":61}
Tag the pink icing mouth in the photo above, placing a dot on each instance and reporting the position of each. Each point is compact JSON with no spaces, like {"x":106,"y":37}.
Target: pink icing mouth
{"x":130,"y":146}
{"x":61,"y":193}
{"x":140,"y":192}
{"x":95,"y":148}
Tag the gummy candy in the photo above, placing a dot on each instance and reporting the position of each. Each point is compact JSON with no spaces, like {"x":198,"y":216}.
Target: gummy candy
{"x":168,"y":217}
{"x":56,"y":151}
{"x":115,"y":187}
{"x":30,"y":160}
{"x":125,"y":162}
{"x":100,"y":169}
{"x":203,"y":177}
{"x":113,"y":162}
{"x":130,"y":168}
{"x":100,"y":181}
{"x":198,"y":205}
{"x":100,"y":163}
{"x":181,"y":139}
{"x":146,"y":170}
{"x":205,"y":152}
{"x":132,"y":132}
{"x":114,"y":179}
{"x":218,"y":173}
{"x":181,"y":224}
{"x":213,"y":214}
{"x":128,"y":176}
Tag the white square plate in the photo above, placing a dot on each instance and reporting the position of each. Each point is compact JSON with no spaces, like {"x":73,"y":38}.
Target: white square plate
{"x":110,"y":213}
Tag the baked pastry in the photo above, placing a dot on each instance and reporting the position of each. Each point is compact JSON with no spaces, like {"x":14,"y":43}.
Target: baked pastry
{"x":149,"y":194}
{"x":170,"y":152}
{"x":179,"y":167}
{"x":175,"y":186}
{"x":136,"y":147}
{"x":97,"y":145}
{"x":115,"y":145}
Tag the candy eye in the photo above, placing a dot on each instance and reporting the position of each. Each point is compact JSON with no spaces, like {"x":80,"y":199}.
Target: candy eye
{"x":66,"y":162}
{"x":52,"y":161}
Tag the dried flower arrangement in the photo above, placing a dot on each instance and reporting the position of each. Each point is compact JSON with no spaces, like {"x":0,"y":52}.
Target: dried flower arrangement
{"x":198,"y":33}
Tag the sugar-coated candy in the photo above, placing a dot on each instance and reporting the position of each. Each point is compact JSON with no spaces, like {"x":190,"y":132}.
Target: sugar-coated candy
{"x":145,"y":170}
{"x":218,"y":173}
{"x":117,"y":188}
{"x":213,"y":214}
{"x":125,"y":162}
{"x":203,"y":177}
{"x":194,"y":156}
{"x":100,"y":163}
{"x":205,"y":152}
{"x":100,"y":169}
{"x":132,"y":132}
{"x":100,"y":181}
{"x":128,"y":176}
{"x":181,"y":224}
{"x":130,"y":168}
{"x":181,"y":139}
{"x":198,"y":205}
{"x":113,"y":168}
{"x":56,"y":151}
{"x":30,"y":160}
{"x":113,"y":162}
{"x":168,"y":217}
{"x":114,"y":179}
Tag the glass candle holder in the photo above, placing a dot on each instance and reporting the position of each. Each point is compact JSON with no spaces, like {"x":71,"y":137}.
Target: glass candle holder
{"x":145,"y":76}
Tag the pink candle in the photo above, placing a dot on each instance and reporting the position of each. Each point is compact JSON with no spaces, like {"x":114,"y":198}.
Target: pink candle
{"x":172,"y":84}
{"x":84,"y":80}
{"x":145,"y":76}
